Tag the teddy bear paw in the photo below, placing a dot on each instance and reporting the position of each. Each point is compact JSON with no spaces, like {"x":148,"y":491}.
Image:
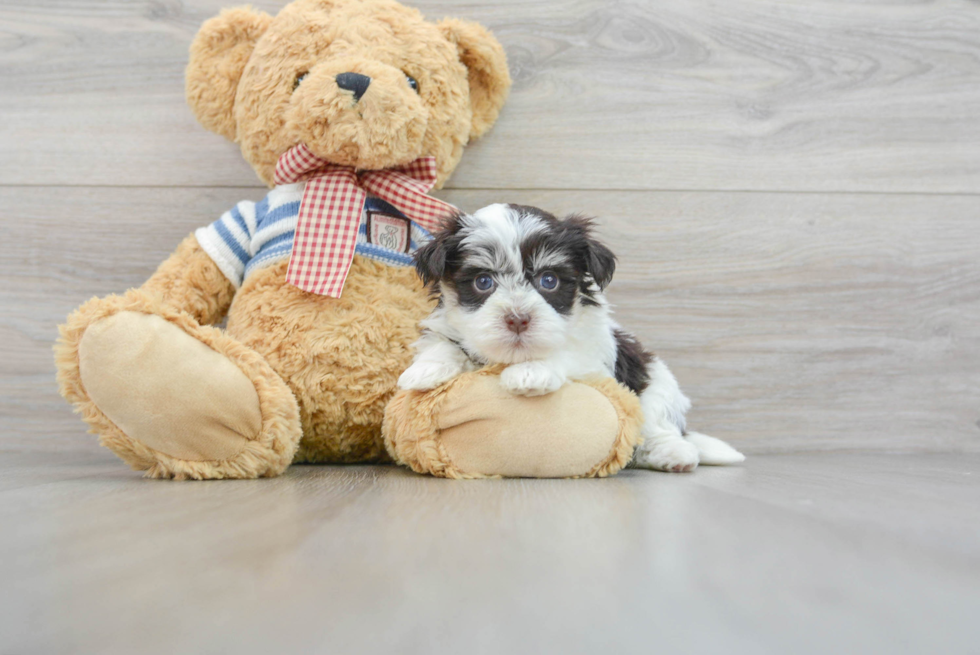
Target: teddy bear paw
{"x":177,"y":399}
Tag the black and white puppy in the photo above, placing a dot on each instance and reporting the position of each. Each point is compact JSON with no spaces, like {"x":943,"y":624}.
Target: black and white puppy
{"x":518,"y":286}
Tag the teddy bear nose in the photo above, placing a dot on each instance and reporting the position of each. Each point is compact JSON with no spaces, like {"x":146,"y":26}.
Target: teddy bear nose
{"x":354,"y":82}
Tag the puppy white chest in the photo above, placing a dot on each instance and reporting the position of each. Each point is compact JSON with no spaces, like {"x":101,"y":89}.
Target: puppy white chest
{"x":590,"y":347}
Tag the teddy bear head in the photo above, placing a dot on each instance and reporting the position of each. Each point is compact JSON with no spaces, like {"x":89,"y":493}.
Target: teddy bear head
{"x":363,"y":83}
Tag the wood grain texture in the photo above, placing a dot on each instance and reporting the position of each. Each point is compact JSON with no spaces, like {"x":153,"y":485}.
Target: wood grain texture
{"x":760,"y":94}
{"x":794,"y":321}
{"x":798,"y":322}
{"x":815,"y":553}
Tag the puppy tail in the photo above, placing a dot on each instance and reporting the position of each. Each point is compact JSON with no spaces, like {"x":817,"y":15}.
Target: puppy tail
{"x":714,"y":452}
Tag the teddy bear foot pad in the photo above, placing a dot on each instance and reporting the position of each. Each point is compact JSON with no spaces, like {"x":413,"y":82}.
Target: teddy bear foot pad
{"x":471,"y":427}
{"x":166,"y":389}
{"x":172,"y":397}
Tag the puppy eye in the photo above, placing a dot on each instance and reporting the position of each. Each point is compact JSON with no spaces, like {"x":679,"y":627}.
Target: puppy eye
{"x":483,"y":282}
{"x":299,"y":78}
{"x":412,"y":82}
{"x":548,"y":281}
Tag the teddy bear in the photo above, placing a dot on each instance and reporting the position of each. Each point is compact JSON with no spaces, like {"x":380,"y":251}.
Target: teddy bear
{"x":351,"y":111}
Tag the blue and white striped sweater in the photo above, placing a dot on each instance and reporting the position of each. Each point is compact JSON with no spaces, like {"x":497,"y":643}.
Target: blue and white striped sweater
{"x":256,"y":234}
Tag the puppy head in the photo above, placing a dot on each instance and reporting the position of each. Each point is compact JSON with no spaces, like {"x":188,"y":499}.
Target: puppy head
{"x":513,"y":279}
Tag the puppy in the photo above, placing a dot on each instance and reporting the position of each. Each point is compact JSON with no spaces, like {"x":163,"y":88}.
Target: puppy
{"x":518,"y":286}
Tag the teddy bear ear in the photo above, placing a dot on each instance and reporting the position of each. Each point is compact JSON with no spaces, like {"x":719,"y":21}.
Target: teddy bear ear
{"x":219,"y":53}
{"x":486,"y":62}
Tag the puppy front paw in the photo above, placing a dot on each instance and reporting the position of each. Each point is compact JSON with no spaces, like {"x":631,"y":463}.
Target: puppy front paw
{"x":531,"y":379}
{"x":422,"y":376}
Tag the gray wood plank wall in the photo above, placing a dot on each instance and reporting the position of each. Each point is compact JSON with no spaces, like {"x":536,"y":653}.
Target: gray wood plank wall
{"x":793,"y":190}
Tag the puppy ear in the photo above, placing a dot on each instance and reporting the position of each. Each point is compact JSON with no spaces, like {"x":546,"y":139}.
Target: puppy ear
{"x":431,"y":259}
{"x":602,"y":263}
{"x":219,"y":53}
{"x":486,"y":62}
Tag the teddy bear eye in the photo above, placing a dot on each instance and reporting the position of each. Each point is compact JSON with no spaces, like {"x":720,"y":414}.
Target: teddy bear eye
{"x":412,"y":82}
{"x":299,"y":78}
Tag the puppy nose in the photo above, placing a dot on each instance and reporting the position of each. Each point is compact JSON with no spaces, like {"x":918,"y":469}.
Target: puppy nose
{"x":517,"y":323}
{"x":354,"y":82}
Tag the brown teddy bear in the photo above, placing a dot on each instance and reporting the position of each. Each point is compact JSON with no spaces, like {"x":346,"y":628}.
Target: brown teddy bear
{"x":351,"y":110}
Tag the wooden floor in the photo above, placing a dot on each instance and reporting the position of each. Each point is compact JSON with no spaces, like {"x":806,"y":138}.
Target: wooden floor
{"x":793,"y":190}
{"x":815,"y":553}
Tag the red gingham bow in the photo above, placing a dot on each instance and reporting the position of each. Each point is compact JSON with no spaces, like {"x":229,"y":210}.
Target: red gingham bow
{"x":330,"y":213}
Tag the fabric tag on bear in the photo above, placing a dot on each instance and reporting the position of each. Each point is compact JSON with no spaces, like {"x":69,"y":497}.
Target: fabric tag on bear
{"x":387,"y":231}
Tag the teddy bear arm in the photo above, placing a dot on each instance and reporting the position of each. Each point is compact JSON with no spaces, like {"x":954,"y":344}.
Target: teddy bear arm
{"x":191,"y":282}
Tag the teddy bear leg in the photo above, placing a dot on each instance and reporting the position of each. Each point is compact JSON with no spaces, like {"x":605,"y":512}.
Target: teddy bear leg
{"x":472,"y":427}
{"x":172,"y":397}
